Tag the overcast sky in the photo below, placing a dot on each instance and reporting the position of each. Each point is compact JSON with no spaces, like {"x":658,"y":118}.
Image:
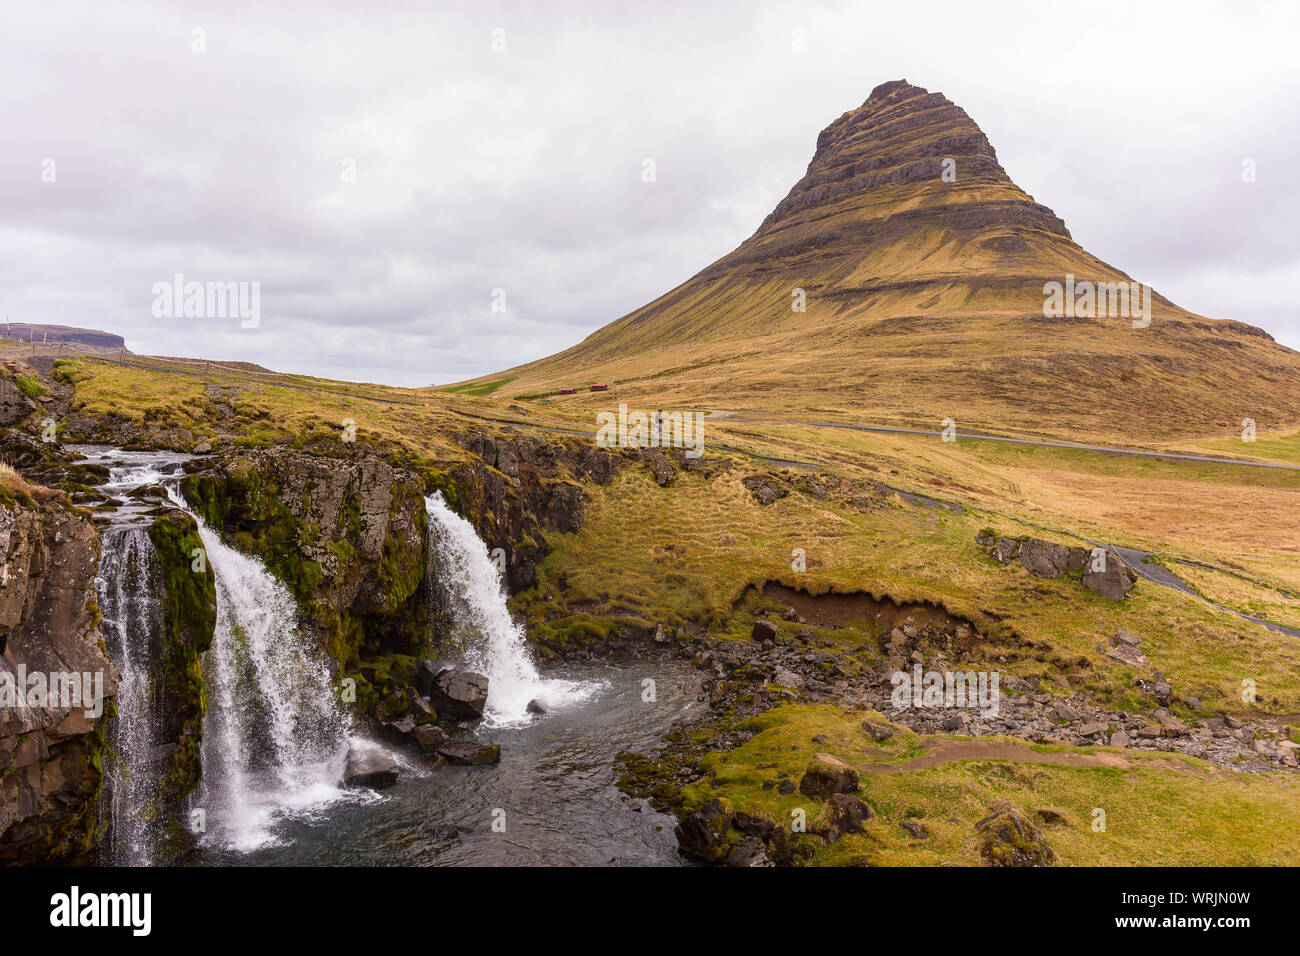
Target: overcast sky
{"x":521,"y":169}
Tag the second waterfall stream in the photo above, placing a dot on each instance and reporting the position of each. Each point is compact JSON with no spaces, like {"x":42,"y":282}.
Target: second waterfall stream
{"x":490,"y":641}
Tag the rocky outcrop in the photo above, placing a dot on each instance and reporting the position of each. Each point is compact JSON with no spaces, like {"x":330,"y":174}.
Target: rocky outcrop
{"x":827,"y":775}
{"x":1109,"y":576}
{"x":459,"y":694}
{"x":1009,"y":838}
{"x":370,"y":766}
{"x":345,"y":534}
{"x":50,"y":746}
{"x":188,"y":601}
{"x":1104,"y":572}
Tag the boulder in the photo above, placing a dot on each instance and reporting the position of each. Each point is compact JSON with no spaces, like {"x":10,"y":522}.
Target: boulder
{"x":1006,"y":550}
{"x":1113,"y":582}
{"x":750,"y":851}
{"x":1043,"y":559}
{"x":764,"y":632}
{"x":470,"y":753}
{"x":703,"y":833}
{"x":1008,"y":838}
{"x":846,"y":814}
{"x":1124,"y":637}
{"x":459,"y":694}
{"x":788,"y":678}
{"x":425,"y":674}
{"x":879,"y":732}
{"x":1127,"y":654}
{"x":430,"y":737}
{"x":827,"y":775}
{"x":535,"y":706}
{"x":370,"y":766}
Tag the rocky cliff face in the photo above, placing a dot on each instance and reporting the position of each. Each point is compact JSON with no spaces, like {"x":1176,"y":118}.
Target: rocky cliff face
{"x":346,"y":532}
{"x":50,"y":754}
{"x":188,"y":622}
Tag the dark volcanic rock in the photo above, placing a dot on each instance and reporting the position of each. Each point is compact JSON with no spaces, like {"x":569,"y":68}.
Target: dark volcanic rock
{"x":704,"y":833}
{"x":1044,"y":559}
{"x":1008,"y":838}
{"x":827,"y":775}
{"x":1114,"y":581}
{"x":461,"y":694}
{"x":470,"y":753}
{"x":370,"y":766}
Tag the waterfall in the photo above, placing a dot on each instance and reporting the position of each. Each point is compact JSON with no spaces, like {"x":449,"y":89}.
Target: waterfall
{"x":489,"y":639}
{"x":132,"y":631}
{"x":275,"y":733}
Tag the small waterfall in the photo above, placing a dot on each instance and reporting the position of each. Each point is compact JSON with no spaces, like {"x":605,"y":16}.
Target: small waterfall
{"x":490,"y":640}
{"x":132,"y":631}
{"x":275,"y":734}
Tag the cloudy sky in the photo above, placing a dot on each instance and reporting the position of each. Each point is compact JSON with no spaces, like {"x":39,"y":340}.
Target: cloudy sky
{"x":380,"y":168}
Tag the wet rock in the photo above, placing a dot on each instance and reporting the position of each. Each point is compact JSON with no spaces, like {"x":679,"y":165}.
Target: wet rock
{"x":372,"y":767}
{"x":535,"y":706}
{"x":398,"y":730}
{"x":425,"y":673}
{"x":1008,"y":838}
{"x":470,"y":753}
{"x":827,"y":775}
{"x":703,"y":834}
{"x":460,"y":694}
{"x":430,"y":737}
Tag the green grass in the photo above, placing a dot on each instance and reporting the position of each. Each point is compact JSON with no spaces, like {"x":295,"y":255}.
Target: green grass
{"x":1160,"y":809}
{"x":481,"y":389}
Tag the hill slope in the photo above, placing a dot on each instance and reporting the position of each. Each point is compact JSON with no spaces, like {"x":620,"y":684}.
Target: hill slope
{"x":924,"y":297}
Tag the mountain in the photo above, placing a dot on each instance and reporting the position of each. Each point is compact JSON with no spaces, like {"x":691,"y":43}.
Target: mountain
{"x":923,"y":270}
{"x":52,"y":334}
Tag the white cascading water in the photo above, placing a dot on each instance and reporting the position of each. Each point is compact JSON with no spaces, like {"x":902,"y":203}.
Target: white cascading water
{"x":131,"y":629}
{"x":275,"y":734}
{"x":491,"y":641}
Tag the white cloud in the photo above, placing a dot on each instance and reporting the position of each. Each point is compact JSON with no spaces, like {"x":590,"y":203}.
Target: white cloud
{"x":522,"y":170}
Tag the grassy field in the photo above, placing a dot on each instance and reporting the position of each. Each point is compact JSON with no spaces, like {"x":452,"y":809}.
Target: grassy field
{"x":1159,"y":809}
{"x":691,"y":554}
